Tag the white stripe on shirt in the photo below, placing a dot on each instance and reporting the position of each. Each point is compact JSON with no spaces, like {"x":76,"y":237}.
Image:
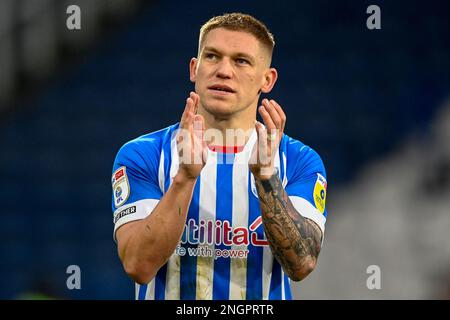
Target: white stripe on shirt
{"x":172,"y":288}
{"x":207,"y":212}
{"x":240,"y":207}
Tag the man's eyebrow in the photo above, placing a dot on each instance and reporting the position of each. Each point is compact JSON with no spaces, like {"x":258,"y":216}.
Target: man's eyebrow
{"x":211,"y":49}
{"x":237,"y":54}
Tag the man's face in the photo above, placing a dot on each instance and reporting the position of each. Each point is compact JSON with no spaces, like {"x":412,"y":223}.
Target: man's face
{"x":229,"y":72}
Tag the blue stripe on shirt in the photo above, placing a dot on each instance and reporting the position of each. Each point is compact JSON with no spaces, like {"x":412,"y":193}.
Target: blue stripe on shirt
{"x":142,"y":291}
{"x":255,"y":256}
{"x":160,"y":283}
{"x":188,"y":264}
{"x":224,"y":203}
{"x":287,"y":288}
{"x":275,"y":283}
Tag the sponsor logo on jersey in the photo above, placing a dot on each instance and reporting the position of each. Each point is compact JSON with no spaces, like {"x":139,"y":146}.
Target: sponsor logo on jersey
{"x":124,"y":213}
{"x":320,"y":193}
{"x":218,"y":232}
{"x":121,"y":187}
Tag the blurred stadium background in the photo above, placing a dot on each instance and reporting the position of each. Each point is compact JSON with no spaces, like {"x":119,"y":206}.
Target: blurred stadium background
{"x":374,"y":104}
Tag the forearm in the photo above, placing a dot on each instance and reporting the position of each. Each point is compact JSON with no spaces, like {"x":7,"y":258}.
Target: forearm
{"x":295,"y":241}
{"x":154,"y":239}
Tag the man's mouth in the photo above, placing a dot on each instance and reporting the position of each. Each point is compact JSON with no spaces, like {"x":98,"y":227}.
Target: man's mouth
{"x":221,"y":88}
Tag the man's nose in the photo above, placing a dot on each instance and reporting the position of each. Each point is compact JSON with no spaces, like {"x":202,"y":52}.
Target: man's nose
{"x":225,"y":69}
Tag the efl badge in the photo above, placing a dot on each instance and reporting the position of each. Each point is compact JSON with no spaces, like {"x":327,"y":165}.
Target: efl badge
{"x":320,"y":193}
{"x":120,"y":185}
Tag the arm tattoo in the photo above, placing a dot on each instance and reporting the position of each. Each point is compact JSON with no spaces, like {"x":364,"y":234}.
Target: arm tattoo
{"x":295,"y":240}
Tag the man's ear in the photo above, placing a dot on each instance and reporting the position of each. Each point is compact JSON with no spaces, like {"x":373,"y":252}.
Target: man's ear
{"x":193,"y":69}
{"x":270,"y":78}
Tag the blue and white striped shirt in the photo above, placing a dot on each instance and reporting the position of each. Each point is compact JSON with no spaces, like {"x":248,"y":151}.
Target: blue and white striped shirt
{"x":223,"y":252}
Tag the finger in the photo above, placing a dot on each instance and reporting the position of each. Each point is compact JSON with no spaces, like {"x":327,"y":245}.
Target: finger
{"x":272,"y":131}
{"x":204,"y":151}
{"x":198,"y":137}
{"x":280,"y":113}
{"x":184,"y":145}
{"x":184,"y":114}
{"x":199,"y":127}
{"x":274,"y":135}
{"x":179,"y":138}
{"x":196,"y":98}
{"x":193,"y":97}
{"x":188,"y":114}
{"x":266,"y":117}
{"x":262,"y":144}
{"x":190,"y":121}
{"x":273,"y":113}
{"x":260,"y":131}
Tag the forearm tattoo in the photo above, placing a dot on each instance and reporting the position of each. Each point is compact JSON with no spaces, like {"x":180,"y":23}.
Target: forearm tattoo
{"x":295,"y":240}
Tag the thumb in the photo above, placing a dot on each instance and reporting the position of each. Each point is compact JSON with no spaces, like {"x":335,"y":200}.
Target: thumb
{"x":254,"y":153}
{"x":199,"y":127}
{"x":261,"y":143}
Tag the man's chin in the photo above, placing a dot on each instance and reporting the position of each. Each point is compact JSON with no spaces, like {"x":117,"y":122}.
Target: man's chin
{"x":220,"y":108}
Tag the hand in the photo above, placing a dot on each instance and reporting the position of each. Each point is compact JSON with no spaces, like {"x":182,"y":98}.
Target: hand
{"x":191,"y":146}
{"x":263,"y":154}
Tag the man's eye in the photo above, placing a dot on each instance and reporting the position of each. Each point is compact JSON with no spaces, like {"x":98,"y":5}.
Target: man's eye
{"x":242,"y":61}
{"x":210,"y":56}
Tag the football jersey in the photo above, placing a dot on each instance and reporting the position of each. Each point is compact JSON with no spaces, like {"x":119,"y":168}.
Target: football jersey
{"x":223,"y":252}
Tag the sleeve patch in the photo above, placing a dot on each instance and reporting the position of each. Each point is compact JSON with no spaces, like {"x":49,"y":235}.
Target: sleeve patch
{"x":121,"y":187}
{"x":320,"y":193}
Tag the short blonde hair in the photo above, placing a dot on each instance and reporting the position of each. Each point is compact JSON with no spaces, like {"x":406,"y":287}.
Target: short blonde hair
{"x":239,"y":22}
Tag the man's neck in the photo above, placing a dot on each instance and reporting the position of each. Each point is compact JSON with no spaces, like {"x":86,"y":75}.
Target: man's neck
{"x":234,"y":130}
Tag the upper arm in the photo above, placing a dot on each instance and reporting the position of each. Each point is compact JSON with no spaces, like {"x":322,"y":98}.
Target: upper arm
{"x":307,"y":185}
{"x":124,"y":234}
{"x":135,"y":187}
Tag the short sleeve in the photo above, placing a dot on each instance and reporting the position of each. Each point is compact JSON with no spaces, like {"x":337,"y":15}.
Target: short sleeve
{"x":135,"y":187}
{"x":307,"y":184}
